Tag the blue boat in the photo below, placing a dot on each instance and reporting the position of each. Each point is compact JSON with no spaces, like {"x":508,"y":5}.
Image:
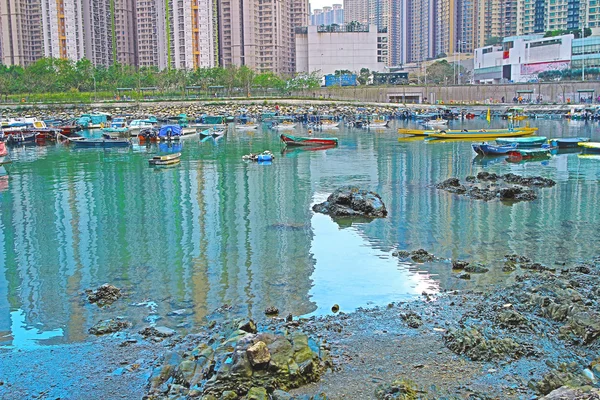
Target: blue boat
{"x":169,"y":133}
{"x":486,"y":149}
{"x":565,"y":143}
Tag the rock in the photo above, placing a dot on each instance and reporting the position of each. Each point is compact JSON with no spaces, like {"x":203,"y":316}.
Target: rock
{"x":532,"y":181}
{"x":452,"y":185}
{"x":159,"y":331}
{"x":272,"y":311}
{"x":458,"y":264}
{"x":476,"y":268}
{"x":486,"y":176}
{"x":351,"y":201}
{"x":412,"y":319}
{"x":567,"y":393}
{"x":472,"y":343}
{"x":257,"y":393}
{"x":108,"y":326}
{"x":104,"y":295}
{"x":242,"y":361}
{"x":281,"y":395}
{"x":464,"y":275}
{"x":511,"y":318}
{"x":258,"y":354}
{"x":247,"y":326}
{"x":517,"y":258}
{"x":229,"y":395}
{"x":421,"y":256}
{"x":400,"y":389}
{"x":402,"y":254}
{"x":516,"y":193}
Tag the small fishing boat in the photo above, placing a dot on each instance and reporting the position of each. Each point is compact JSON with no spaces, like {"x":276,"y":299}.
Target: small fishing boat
{"x":590,"y":147}
{"x":168,"y":159}
{"x":118,"y":128}
{"x":482,"y":134}
{"x":532,"y":141}
{"x":3,"y":150}
{"x":103,"y":142}
{"x":283,"y":125}
{"x":307,"y":141}
{"x":214,"y":132}
{"x":517,"y":154}
{"x":436,"y":122}
{"x":486,"y":149}
{"x":469,"y":134}
{"x":246,"y":126}
{"x":138,"y":125}
{"x":265,"y":156}
{"x":565,"y":143}
{"x":169,"y":133}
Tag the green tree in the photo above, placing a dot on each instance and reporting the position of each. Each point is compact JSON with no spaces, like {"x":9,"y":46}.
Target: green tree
{"x":493,"y":40}
{"x":364,"y":76}
{"x":442,"y":72}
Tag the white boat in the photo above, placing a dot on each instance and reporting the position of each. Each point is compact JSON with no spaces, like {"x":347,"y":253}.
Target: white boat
{"x":436,"y":122}
{"x":378,"y":124}
{"x":285,"y":125}
{"x":138,"y":125}
{"x":246,"y":127}
{"x":118,"y":128}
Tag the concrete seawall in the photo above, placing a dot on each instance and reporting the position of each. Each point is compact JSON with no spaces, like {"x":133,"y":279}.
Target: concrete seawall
{"x":551,"y":93}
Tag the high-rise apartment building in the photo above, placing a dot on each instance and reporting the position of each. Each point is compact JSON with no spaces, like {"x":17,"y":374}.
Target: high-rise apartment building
{"x":445,"y":26}
{"x":21,"y":22}
{"x":173,"y":33}
{"x":356,"y":10}
{"x":260,"y":33}
{"x":178,"y":34}
{"x":398,"y":32}
{"x":328,"y":15}
{"x":421,"y":30}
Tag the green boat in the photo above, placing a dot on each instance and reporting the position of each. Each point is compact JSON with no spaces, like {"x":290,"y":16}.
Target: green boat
{"x":530,"y":141}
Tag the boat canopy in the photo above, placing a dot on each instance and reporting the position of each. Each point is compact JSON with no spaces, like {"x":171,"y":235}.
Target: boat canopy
{"x":213,"y":119}
{"x":174,"y":130}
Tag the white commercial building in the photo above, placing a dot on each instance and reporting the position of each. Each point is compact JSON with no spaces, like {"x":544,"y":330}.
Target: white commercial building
{"x":332,"y":48}
{"x":522,"y":58}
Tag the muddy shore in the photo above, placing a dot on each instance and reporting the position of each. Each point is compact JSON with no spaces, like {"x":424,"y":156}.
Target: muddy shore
{"x":515,"y":342}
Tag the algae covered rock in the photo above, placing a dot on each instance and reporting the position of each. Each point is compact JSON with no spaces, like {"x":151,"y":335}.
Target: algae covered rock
{"x":351,"y":201}
{"x":245,"y":363}
{"x":475,"y":345}
{"x":104,"y":295}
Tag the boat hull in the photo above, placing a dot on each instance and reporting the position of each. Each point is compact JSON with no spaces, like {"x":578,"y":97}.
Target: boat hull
{"x":488,"y":149}
{"x":568,"y":143}
{"x":523,"y":141}
{"x":590,"y":147}
{"x":484,"y":134}
{"x":100,"y":143}
{"x":290,"y":140}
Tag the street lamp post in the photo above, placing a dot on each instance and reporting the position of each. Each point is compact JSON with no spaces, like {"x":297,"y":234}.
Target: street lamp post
{"x":583,"y":52}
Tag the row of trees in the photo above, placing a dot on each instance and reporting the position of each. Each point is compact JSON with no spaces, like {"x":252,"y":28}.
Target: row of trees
{"x":50,"y":75}
{"x":569,"y":74}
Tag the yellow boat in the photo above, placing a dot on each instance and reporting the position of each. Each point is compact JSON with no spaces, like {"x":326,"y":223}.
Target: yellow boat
{"x":169,"y":159}
{"x":464,"y":134}
{"x":592,"y":147}
{"x":483,"y":134}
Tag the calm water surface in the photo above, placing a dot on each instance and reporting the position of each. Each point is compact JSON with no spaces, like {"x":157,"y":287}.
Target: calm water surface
{"x":215,"y":230}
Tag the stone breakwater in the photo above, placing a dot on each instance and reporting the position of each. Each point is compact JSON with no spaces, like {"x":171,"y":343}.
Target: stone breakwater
{"x":488,"y":186}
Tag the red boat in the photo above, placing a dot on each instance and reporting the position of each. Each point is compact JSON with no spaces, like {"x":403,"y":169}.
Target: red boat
{"x":3,"y":150}
{"x":307,"y":141}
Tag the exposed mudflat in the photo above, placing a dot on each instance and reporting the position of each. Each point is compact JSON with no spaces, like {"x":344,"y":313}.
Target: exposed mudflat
{"x":516,"y":342}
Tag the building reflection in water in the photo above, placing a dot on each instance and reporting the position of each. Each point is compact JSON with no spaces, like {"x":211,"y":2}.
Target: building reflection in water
{"x":217,"y":231}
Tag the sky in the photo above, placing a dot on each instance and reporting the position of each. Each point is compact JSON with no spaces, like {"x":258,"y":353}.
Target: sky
{"x":322,"y":3}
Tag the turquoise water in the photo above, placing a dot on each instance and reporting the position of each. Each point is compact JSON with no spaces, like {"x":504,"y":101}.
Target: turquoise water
{"x":215,"y":230}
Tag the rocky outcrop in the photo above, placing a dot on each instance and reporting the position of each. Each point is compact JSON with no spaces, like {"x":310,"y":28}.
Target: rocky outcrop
{"x":245,"y":364}
{"x":104,"y":295}
{"x":488,"y":186}
{"x":472,"y":343}
{"x":108,"y":326}
{"x":351,"y":201}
